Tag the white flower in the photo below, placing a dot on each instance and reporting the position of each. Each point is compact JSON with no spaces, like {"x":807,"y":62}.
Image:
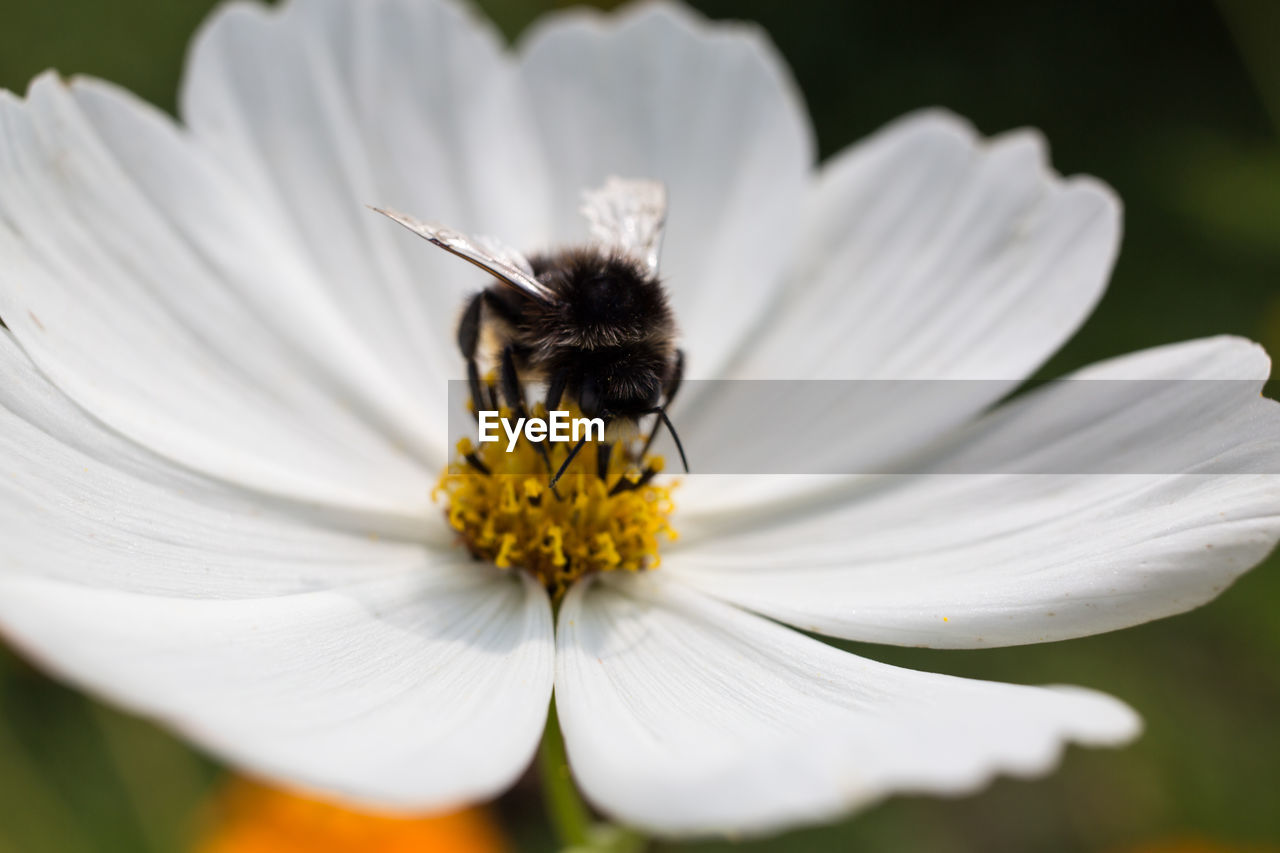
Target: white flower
{"x":222,"y":414}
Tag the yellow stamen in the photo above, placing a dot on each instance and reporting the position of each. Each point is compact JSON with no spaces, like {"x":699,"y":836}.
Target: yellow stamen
{"x":511,"y":518}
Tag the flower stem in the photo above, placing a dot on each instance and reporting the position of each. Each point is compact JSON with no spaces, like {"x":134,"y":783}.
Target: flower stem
{"x":568,"y":814}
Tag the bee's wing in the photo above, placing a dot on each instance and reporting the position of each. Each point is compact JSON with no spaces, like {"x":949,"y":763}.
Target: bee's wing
{"x":498,"y":260}
{"x":628,"y":214}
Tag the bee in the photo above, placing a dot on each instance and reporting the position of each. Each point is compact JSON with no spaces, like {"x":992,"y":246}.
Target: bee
{"x":591,"y":323}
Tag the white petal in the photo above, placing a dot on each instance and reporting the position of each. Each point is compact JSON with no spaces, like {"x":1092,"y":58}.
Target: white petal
{"x":81,"y":504}
{"x":682,"y":715}
{"x":151,"y":291}
{"x":321,"y":107}
{"x":928,"y":253}
{"x":970,"y":559}
{"x":710,"y":110}
{"x":367,"y":667}
{"x":424,"y":691}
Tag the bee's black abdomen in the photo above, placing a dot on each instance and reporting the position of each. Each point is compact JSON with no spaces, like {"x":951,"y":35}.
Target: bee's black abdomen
{"x":605,"y":300}
{"x":607,"y":338}
{"x":614,"y":296}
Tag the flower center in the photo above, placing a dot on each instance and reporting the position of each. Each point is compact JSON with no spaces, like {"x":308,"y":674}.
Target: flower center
{"x":606,"y":512}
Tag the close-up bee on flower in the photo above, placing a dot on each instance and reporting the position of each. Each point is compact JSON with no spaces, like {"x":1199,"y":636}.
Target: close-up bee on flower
{"x":591,"y":322}
{"x":437,"y":425}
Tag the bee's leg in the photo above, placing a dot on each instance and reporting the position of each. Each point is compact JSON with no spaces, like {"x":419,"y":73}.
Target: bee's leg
{"x":474,"y":460}
{"x":513,"y":393}
{"x":468,"y":342}
{"x":510,"y":379}
{"x":603,"y":452}
{"x":564,"y":466}
{"x":649,"y":472}
{"x":625,"y":485}
{"x":555,"y":388}
{"x":669,"y":394}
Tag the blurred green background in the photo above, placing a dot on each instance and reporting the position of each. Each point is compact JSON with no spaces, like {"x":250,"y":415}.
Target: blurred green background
{"x":1176,"y":105}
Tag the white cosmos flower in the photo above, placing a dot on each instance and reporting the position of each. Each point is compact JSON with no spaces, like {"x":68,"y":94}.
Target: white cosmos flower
{"x":222,"y":414}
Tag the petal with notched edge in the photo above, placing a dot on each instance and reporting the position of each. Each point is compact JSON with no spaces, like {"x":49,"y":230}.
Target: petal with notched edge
{"x":682,"y":715}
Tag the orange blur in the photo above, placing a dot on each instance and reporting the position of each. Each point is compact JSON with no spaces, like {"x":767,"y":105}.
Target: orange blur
{"x":255,"y":818}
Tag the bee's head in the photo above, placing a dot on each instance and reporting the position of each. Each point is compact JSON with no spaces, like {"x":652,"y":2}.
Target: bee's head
{"x":622,"y":398}
{"x":624,"y":383}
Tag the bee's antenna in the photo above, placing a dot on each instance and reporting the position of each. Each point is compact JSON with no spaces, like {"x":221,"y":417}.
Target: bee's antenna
{"x":662,"y":413}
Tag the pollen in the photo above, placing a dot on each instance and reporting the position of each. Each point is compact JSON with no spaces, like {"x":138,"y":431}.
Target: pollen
{"x":504,"y":511}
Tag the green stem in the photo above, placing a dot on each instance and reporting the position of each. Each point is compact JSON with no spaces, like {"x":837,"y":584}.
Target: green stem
{"x":140,"y":755}
{"x":569,"y":815}
{"x":37,"y":803}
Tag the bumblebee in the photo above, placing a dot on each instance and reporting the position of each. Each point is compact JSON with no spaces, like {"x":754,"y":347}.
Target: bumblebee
{"x":592,"y":324}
